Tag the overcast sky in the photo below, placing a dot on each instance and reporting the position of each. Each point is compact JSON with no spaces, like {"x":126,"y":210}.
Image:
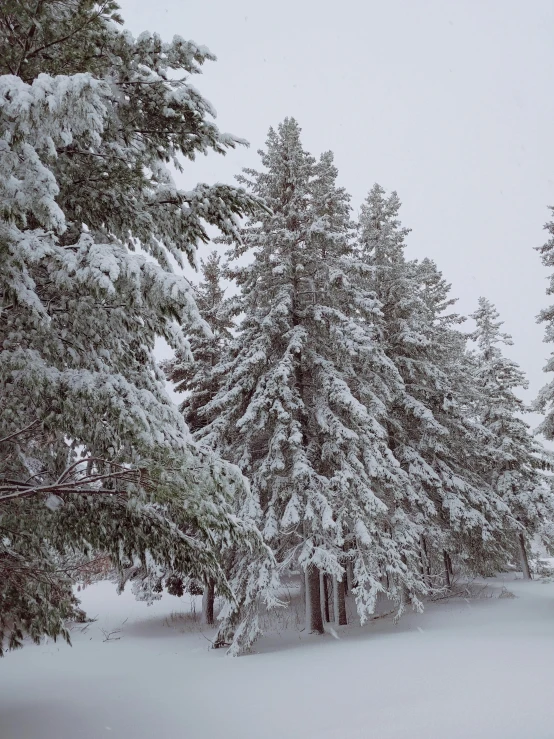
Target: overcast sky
{"x":447,"y":102}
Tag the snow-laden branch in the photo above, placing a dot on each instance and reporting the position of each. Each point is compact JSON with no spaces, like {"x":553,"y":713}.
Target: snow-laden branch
{"x":77,"y":481}
{"x":10,"y":437}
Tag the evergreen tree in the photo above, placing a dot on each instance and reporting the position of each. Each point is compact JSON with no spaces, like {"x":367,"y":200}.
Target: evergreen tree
{"x":93,"y":456}
{"x":430,"y":432}
{"x":545,"y":400}
{"x":412,"y":429}
{"x":193,"y":372}
{"x":513,"y":471}
{"x":302,"y":406}
{"x":474,"y":516}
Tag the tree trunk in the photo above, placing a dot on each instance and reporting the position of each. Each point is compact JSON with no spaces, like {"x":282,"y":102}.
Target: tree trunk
{"x":307,"y":605}
{"x":331,"y":598}
{"x":322,"y":595}
{"x":450,"y":568}
{"x":341,"y":602}
{"x":523,"y":557}
{"x":426,"y":570}
{"x":208,"y":598}
{"x":446,"y":569}
{"x":314,"y":600}
{"x":349,"y":582}
{"x":303,"y":590}
{"x":325,"y":581}
{"x":335,"y":600}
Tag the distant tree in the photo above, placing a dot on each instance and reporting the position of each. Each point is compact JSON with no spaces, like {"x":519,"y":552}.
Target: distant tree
{"x":472,"y":514}
{"x":545,"y":400}
{"x":513,"y":470}
{"x":437,"y":441}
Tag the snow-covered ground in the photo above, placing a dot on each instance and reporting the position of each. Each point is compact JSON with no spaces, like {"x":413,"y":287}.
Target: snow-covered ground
{"x":476,"y":668}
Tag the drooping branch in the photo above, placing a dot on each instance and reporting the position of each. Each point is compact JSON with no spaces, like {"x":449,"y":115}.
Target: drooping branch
{"x":77,"y":481}
{"x":10,"y":437}
{"x":28,"y":53}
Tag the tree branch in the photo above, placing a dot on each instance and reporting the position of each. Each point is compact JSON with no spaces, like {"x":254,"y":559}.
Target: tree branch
{"x":18,"y":433}
{"x":63,"y":38}
{"x":83,"y":484}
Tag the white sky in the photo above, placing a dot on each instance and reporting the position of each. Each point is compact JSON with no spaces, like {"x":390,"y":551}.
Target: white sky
{"x":449,"y":102}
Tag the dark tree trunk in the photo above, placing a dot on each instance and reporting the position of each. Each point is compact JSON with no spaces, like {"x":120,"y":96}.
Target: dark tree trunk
{"x":523,"y":557}
{"x":326,"y":597}
{"x":349,"y":579}
{"x":345,"y":579}
{"x":335,"y":600}
{"x":314,"y":597}
{"x":450,"y":568}
{"x":426,"y":569}
{"x":208,"y":598}
{"x":446,"y":569}
{"x":341,"y":591}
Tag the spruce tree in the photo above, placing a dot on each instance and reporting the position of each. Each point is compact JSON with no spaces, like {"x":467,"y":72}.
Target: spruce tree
{"x":412,"y":429}
{"x":472,"y":513}
{"x":93,"y":456}
{"x":545,"y":400}
{"x":193,"y":372}
{"x":302,"y":406}
{"x":430,"y":431}
{"x":513,"y":471}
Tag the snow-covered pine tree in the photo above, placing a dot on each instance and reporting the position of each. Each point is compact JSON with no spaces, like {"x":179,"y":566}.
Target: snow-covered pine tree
{"x":194,"y":375}
{"x":301,"y":407}
{"x":428,"y":430}
{"x":405,"y":339}
{"x":93,"y":455}
{"x":474,"y":517}
{"x":545,"y":400}
{"x":513,"y":471}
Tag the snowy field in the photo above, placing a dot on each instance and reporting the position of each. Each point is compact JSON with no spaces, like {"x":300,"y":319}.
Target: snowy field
{"x":475,"y":668}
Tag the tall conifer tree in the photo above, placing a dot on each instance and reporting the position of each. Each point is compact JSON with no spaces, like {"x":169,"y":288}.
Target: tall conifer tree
{"x":513,"y":470}
{"x":545,"y":400}
{"x":303,"y":407}
{"x":92,"y":452}
{"x":193,"y":372}
{"x":430,"y":431}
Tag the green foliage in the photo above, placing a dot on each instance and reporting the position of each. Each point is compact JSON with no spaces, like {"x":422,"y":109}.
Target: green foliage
{"x":93,"y":456}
